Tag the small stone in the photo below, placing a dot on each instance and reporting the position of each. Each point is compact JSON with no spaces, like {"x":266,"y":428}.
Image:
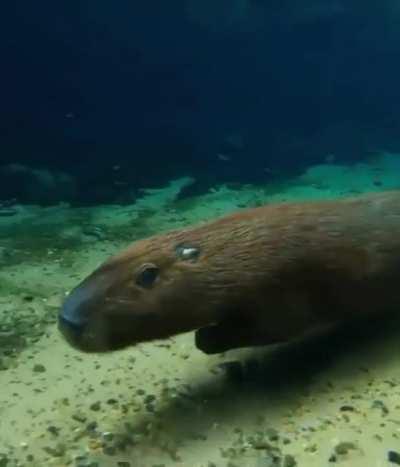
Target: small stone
{"x":149,"y":399}
{"x":92,"y":426}
{"x":4,"y":364}
{"x":289,"y":461}
{"x":83,"y":461}
{"x":344,"y":447}
{"x":311,"y":448}
{"x":268,"y":461}
{"x":347,"y":408}
{"x":39,"y":368}
{"x":53,"y":430}
{"x":394,"y":457}
{"x":79,"y":417}
{"x":108,"y":436}
{"x":109,"y":450}
{"x":378,"y":404}
{"x":96,"y":406}
{"x":58,"y":451}
{"x":272,"y":434}
{"x":112,"y":401}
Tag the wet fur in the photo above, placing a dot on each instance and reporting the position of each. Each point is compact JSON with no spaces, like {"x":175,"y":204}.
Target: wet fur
{"x":263,"y":275}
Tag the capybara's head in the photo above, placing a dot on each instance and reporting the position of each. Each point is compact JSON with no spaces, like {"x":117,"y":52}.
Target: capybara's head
{"x":156,"y":288}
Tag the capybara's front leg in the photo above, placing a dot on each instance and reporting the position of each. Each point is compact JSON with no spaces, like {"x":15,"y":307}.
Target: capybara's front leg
{"x":226,"y":336}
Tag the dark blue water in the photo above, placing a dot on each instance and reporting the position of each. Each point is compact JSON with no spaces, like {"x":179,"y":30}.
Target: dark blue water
{"x":134,"y":93}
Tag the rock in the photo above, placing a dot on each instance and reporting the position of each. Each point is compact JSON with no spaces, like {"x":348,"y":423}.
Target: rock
{"x":344,"y":447}
{"x":39,"y":368}
{"x":79,"y":417}
{"x":58,"y":451}
{"x":347,"y":408}
{"x":149,"y":399}
{"x":272,"y":434}
{"x":289,"y":461}
{"x":96,"y":406}
{"x":4,"y":460}
{"x":53,"y":430}
{"x":394,"y":457}
{"x":108,"y":436}
{"x":378,"y":404}
{"x":268,"y":461}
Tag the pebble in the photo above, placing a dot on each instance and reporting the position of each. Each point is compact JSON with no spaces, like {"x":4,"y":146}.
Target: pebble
{"x":79,"y":417}
{"x":108,"y":436}
{"x":149,"y":399}
{"x":272,"y":434}
{"x":91,"y":426}
{"x":109,"y":450}
{"x":58,"y":451}
{"x":378,"y":404}
{"x":53,"y":430}
{"x":394,"y":457}
{"x":268,"y":461}
{"x":39,"y":368}
{"x":344,"y":447}
{"x":4,"y":364}
{"x":83,"y":461}
{"x":347,"y":408}
{"x":96,"y":406}
{"x":289,"y":461}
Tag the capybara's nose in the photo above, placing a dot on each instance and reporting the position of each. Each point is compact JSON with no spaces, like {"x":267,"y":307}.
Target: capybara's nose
{"x":74,"y":314}
{"x":70,"y":330}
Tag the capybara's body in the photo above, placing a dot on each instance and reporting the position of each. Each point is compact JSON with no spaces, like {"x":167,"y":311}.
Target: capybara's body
{"x":259,"y":276}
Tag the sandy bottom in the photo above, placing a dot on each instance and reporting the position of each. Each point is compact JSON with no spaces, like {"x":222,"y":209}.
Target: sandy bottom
{"x":332,"y":399}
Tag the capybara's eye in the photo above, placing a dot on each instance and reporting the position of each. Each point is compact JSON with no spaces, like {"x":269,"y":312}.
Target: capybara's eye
{"x":146,"y":275}
{"x":187,"y":252}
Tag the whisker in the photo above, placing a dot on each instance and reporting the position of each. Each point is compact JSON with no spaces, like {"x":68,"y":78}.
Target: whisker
{"x":118,"y":300}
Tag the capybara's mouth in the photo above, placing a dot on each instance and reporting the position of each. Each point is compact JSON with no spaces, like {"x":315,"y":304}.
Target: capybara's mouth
{"x":92,"y":339}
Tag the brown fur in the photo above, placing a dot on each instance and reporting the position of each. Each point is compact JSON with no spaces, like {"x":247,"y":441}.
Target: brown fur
{"x":263,"y":275}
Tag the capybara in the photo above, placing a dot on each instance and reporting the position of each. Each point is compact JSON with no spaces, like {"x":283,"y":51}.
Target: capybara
{"x":255,"y":277}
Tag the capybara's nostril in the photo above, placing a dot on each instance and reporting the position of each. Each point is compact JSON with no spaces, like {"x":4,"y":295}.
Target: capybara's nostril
{"x":71,"y":320}
{"x":70,"y":329}
{"x":74,"y":314}
{"x":73,"y":309}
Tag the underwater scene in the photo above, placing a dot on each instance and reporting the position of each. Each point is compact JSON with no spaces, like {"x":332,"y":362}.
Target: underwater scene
{"x":200,"y":234}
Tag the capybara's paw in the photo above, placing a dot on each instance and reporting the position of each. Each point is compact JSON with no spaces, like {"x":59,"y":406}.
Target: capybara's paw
{"x":208,"y":340}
